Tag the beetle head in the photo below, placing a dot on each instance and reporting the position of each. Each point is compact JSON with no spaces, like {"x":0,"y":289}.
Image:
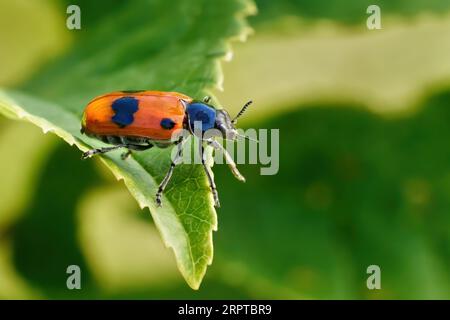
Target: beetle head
{"x":225,"y":125}
{"x":210,"y":117}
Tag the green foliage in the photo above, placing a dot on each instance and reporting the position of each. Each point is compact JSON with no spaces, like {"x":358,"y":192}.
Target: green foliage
{"x":132,"y":48}
{"x":50,"y":222}
{"x":354,"y":189}
{"x":352,"y":11}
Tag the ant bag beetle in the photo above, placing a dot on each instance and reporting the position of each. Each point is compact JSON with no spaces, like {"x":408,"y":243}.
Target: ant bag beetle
{"x":139,"y":120}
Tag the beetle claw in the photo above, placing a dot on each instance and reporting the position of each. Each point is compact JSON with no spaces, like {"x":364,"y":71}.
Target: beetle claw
{"x":85,"y":155}
{"x":158,"y":201}
{"x":125,"y":155}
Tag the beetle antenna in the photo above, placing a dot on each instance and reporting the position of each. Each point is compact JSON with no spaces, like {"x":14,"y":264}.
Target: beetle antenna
{"x":248,"y":138}
{"x":242,"y":111}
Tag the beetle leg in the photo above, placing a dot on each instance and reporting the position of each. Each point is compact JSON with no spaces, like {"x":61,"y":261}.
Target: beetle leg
{"x":136,"y":147}
{"x":228,"y":158}
{"x":212,"y":184}
{"x":93,"y":152}
{"x":129,"y":146}
{"x":125,"y":155}
{"x":168,"y":175}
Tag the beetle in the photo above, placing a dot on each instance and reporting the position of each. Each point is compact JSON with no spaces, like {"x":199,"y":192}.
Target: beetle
{"x":140,"y":120}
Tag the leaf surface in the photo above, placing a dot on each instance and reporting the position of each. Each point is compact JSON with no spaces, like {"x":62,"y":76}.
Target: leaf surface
{"x":157,"y":45}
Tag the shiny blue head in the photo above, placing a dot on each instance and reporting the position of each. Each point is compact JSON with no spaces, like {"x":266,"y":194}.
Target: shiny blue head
{"x":202,"y":113}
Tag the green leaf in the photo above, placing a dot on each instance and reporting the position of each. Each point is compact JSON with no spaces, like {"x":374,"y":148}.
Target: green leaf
{"x":157,"y":45}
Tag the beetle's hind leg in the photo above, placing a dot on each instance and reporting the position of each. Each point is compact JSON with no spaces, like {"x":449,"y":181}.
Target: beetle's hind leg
{"x":124,"y":155}
{"x":168,"y":175}
{"x":93,"y":152}
{"x":212,"y":184}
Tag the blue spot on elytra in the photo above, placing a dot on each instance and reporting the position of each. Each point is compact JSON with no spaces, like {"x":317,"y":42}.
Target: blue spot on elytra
{"x":167,"y":123}
{"x":124,"y":109}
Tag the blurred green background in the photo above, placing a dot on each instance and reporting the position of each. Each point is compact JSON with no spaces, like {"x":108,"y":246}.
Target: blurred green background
{"x":364,"y":165}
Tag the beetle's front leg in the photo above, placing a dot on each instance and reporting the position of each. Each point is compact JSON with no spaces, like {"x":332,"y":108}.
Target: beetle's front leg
{"x":228,"y":158}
